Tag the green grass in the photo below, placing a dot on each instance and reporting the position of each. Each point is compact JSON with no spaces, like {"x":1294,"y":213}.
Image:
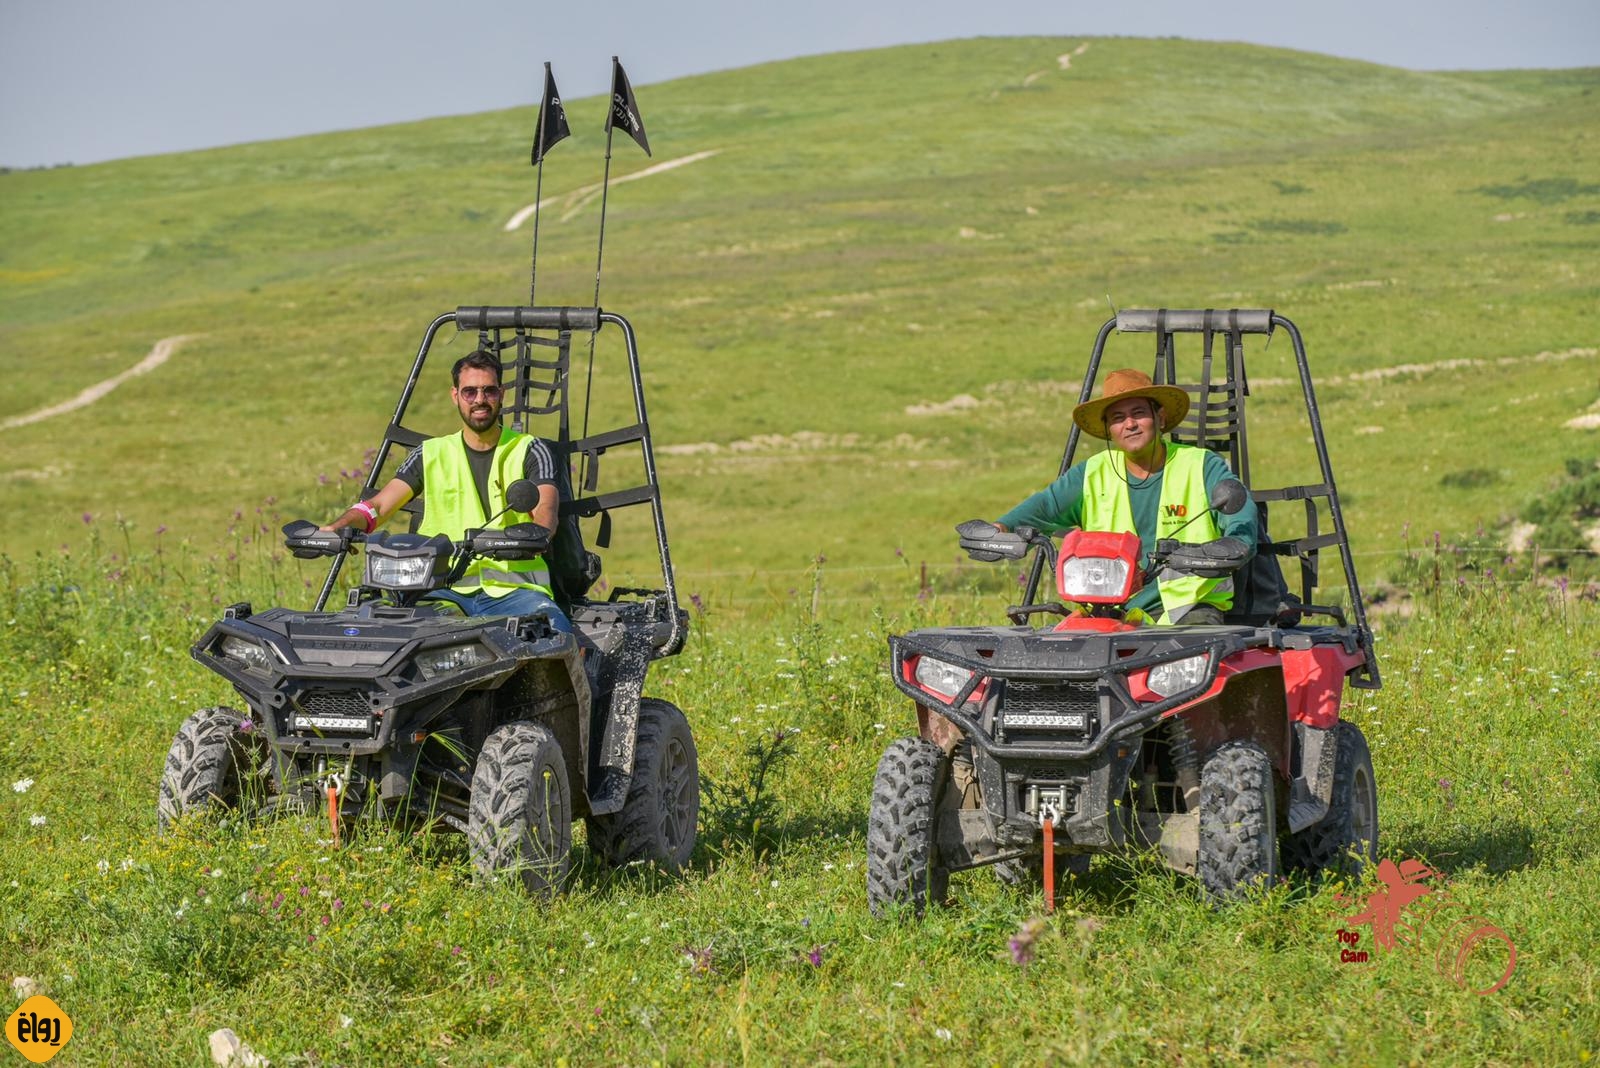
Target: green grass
{"x":880,"y":231}
{"x":151,"y":943}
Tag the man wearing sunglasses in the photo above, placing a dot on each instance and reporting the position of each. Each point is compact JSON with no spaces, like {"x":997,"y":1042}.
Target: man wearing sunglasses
{"x":465,"y":476}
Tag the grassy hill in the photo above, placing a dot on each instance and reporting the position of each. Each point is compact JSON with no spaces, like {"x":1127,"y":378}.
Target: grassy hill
{"x":878,"y":234}
{"x":878,"y":231}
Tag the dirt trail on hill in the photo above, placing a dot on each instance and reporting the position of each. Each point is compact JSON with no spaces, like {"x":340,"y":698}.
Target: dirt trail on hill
{"x":576,"y":199}
{"x":158,"y":356}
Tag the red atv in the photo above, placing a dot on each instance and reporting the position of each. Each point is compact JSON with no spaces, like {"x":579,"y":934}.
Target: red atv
{"x":1220,"y":746}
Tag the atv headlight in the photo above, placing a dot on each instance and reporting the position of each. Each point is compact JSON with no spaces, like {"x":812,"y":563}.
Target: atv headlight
{"x":1093,"y":576}
{"x":434,"y":662}
{"x":1175,"y":676}
{"x":399,"y":572}
{"x":940,"y":677}
{"x":247,"y":652}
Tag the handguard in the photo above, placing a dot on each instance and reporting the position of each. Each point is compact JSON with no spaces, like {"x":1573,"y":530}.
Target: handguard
{"x":306,"y":541}
{"x":984,"y":541}
{"x":1209,"y":559}
{"x":519,"y":541}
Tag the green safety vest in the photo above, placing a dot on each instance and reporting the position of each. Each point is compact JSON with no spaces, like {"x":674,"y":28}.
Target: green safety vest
{"x":1183,"y":495}
{"x":451,"y":507}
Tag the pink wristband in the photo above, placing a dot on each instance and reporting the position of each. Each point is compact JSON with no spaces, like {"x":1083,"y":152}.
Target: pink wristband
{"x":367,"y":510}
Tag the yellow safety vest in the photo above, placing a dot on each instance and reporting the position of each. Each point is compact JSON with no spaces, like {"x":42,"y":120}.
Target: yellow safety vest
{"x":451,"y":507}
{"x":1106,"y":506}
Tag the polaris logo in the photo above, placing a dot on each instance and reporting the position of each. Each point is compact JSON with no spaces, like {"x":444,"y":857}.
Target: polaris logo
{"x":351,"y":632}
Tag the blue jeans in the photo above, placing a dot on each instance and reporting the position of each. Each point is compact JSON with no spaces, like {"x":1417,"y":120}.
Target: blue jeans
{"x":521,"y":602}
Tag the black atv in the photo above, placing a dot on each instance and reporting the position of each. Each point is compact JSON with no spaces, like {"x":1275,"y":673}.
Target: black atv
{"x":1220,"y":746}
{"x":502,"y":728}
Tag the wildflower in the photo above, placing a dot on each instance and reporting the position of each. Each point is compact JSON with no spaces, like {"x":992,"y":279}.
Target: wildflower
{"x":698,"y":958}
{"x":247,"y":726}
{"x":942,"y":1034}
{"x":326,"y":919}
{"x":345,"y":1021}
{"x":103,"y":866}
{"x":37,"y":820}
{"x":338,"y":903}
{"x":813,"y":957}
{"x":1445,"y":784}
{"x":455,"y":951}
{"x":126,"y":865}
{"x":385,"y":907}
{"x":87,"y":519}
{"x":162,"y":529}
{"x":1023,"y":942}
{"x":21,"y":785}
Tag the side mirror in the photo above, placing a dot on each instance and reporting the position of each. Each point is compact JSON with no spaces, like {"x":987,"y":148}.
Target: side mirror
{"x":523,"y":496}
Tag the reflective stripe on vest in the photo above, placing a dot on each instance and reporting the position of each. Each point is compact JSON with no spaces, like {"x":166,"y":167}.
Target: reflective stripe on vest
{"x":1106,"y":506}
{"x":451,"y":507}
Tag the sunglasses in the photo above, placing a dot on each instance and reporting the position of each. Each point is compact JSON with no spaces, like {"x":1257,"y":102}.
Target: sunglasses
{"x":472,"y":393}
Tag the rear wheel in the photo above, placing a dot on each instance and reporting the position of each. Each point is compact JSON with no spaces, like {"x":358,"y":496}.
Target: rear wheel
{"x":215,"y":761}
{"x":1238,"y":820}
{"x":519,"y":818}
{"x":657,"y":821}
{"x":902,"y":862}
{"x":1347,"y":837}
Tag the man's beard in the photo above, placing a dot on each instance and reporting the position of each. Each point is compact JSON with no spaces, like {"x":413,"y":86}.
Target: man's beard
{"x":480,"y":420}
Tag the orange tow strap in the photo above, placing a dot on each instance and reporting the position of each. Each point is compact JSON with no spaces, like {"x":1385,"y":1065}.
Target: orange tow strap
{"x":1049,"y":866}
{"x":333,"y":812}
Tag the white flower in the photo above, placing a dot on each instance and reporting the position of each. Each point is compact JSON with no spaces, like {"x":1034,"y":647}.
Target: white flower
{"x":345,"y":1021}
{"x":942,"y":1033}
{"x":103,"y":867}
{"x":879,"y":727}
{"x":37,"y":820}
{"x":21,"y":785}
{"x":126,"y":865}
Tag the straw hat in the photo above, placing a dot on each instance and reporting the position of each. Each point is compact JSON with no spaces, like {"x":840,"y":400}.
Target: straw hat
{"x":1121,"y":385}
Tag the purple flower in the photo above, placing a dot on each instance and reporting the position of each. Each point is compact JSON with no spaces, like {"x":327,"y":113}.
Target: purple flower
{"x":699,"y":958}
{"x":455,"y":951}
{"x":1023,"y":943}
{"x":326,"y":919}
{"x":899,"y":554}
{"x":699,"y":605}
{"x":338,"y":903}
{"x":1445,"y":784}
{"x":162,"y":529}
{"x":813,"y":957}
{"x":277,"y":902}
{"x":87,"y":519}
{"x":247,"y":726}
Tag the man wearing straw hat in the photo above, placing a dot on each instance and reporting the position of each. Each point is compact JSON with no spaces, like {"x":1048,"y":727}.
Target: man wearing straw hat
{"x":1146,"y":485}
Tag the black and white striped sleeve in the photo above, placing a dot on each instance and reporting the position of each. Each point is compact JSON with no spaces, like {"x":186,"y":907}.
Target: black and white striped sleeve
{"x":410,"y":471}
{"x":539,"y":466}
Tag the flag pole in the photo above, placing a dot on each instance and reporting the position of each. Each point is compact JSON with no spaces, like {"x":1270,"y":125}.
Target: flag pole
{"x":599,"y":259}
{"x":538,"y":198}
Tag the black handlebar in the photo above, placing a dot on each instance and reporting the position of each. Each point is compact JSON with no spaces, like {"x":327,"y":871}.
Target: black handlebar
{"x":484,"y":317}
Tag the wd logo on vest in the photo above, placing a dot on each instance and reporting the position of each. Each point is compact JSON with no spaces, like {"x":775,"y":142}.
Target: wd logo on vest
{"x":1176,"y":511}
{"x":39,"y":1029}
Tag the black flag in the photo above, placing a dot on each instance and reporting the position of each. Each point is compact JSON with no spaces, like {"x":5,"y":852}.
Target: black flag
{"x":552,"y":119}
{"x":624,"y":111}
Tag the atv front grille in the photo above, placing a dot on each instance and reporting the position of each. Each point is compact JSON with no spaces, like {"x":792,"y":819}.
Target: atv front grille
{"x":334,"y":703}
{"x":1032,"y":709}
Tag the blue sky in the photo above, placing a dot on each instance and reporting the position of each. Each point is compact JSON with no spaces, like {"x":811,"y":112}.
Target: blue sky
{"x":88,"y":80}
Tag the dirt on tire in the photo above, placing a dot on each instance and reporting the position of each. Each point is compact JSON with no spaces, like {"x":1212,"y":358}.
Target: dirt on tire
{"x":208,"y":764}
{"x":519,"y":819}
{"x":1326,"y":844}
{"x":1238,"y":820}
{"x":656,"y":823}
{"x":902,"y":868}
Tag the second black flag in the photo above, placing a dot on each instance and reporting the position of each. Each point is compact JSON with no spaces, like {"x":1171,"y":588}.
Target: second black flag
{"x":624,"y":110}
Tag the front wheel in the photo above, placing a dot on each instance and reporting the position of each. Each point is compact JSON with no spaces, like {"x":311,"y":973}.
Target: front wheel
{"x":1347,"y":837}
{"x":657,"y":821}
{"x":519,"y":817}
{"x":902,"y":861}
{"x":215,"y":760}
{"x":1238,"y":820}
